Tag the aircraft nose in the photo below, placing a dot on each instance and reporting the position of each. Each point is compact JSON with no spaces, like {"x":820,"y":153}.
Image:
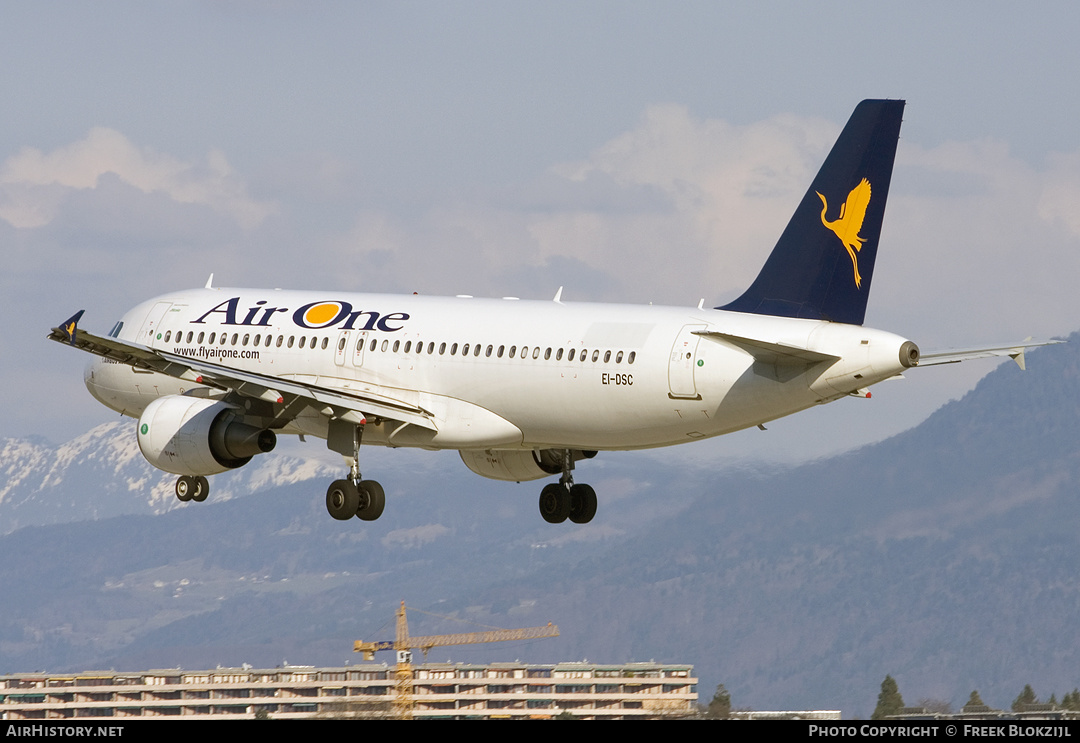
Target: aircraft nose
{"x":90,"y":378}
{"x":112,"y":385}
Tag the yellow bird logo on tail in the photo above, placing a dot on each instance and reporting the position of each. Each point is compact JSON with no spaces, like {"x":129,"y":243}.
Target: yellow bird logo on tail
{"x":850,"y":222}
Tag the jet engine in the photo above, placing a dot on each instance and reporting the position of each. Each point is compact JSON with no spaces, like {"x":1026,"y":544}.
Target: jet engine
{"x":197,"y":436}
{"x":519,"y":465}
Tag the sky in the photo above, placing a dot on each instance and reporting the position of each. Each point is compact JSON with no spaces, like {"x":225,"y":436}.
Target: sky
{"x":628,"y":151}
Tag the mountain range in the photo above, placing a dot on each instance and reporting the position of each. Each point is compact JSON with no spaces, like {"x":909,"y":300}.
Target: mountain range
{"x":945,"y":556}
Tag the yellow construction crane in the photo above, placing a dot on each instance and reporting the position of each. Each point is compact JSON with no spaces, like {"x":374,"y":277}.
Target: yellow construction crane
{"x":404,"y":645}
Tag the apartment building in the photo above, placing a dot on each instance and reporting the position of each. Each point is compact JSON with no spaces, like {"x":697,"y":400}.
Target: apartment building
{"x":439,"y":690}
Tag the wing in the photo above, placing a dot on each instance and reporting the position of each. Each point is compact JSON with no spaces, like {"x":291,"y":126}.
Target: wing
{"x":1014,"y":351}
{"x":352,"y":405}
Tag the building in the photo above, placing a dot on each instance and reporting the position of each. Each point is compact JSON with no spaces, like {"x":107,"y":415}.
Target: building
{"x":440,"y":690}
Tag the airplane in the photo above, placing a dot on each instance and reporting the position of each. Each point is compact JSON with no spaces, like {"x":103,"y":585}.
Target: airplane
{"x":523,"y":390}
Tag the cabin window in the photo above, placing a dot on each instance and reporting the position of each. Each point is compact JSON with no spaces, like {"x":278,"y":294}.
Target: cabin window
{"x":570,"y":356}
{"x":453,"y":350}
{"x":442,"y":348}
{"x":408,"y":346}
{"x":397,"y":345}
{"x":431,"y":347}
{"x":630,"y":358}
{"x":558,"y":354}
{"x":257,"y":341}
{"x":325,"y":342}
{"x":234,"y":337}
{"x":384,"y":345}
{"x":247,"y":336}
{"x":212,"y":337}
{"x":168,"y":335}
{"x":618,"y":357}
{"x":201,"y":337}
{"x":547,"y":354}
{"x":536,"y":352}
{"x":476,"y":350}
{"x":500,"y":352}
{"x":607,"y":356}
{"x":524,"y":351}
{"x":270,"y":338}
{"x":189,"y":336}
{"x":513,"y":349}
{"x":291,"y":339}
{"x":465,"y":350}
{"x":280,"y":340}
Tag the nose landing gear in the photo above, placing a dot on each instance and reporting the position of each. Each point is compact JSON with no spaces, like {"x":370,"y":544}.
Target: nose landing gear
{"x":192,"y":488}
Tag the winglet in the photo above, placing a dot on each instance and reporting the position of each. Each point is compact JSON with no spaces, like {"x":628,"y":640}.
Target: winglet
{"x":71,"y":326}
{"x":1018,"y":356}
{"x":210,"y":282}
{"x":558,"y":296}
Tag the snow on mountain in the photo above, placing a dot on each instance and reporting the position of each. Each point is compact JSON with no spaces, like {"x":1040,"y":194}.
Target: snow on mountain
{"x":102,"y":473}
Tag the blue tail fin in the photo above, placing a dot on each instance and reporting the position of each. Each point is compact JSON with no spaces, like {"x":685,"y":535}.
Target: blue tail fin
{"x":823,"y":263}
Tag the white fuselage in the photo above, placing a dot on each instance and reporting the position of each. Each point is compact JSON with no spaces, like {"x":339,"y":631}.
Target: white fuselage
{"x":591,"y":377}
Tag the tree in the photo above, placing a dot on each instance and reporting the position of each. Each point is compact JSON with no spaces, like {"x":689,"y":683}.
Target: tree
{"x":720,"y":706}
{"x":1071,"y":700}
{"x":1027,"y":696}
{"x":974,"y":703}
{"x":889,"y":701}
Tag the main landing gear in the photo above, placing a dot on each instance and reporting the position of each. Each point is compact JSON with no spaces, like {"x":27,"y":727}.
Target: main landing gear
{"x":563,"y":499}
{"x":192,"y":488}
{"x":363,"y":499}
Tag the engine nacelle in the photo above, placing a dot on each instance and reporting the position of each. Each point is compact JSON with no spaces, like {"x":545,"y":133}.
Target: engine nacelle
{"x":519,"y":465}
{"x":197,"y":436}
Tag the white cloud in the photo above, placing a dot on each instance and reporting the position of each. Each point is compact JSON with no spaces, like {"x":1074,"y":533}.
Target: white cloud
{"x":1060,"y":197}
{"x":34,"y":185}
{"x":729,"y":190}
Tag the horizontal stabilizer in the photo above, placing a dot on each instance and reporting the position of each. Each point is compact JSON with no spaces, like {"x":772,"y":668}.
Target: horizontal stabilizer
{"x":1015,"y":351}
{"x":772,"y":353}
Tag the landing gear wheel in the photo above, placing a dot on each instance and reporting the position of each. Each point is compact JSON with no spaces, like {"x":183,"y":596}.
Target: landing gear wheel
{"x":342,"y":500}
{"x":582,"y":503}
{"x":554,"y":503}
{"x":185,"y":488}
{"x":202,"y":489}
{"x":371,"y":500}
